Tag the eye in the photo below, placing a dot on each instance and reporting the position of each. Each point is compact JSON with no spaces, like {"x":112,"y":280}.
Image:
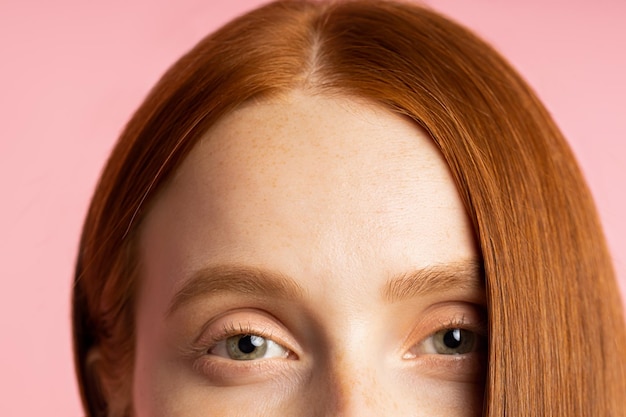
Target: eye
{"x":247,"y":347}
{"x":451,"y":341}
{"x":244,"y":346}
{"x":455,"y":341}
{"x":462,"y":335}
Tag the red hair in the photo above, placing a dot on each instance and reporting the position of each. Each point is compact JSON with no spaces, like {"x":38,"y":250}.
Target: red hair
{"x":557,"y":338}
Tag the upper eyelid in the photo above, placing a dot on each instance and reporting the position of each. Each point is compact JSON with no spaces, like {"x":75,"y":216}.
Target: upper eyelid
{"x":254,"y":316}
{"x":230,"y":330}
{"x":479,"y":326}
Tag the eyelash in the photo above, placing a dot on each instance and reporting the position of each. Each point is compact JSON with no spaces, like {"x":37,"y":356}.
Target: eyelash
{"x":226,"y":370}
{"x":232,"y":329}
{"x":229,"y":330}
{"x":478,"y":327}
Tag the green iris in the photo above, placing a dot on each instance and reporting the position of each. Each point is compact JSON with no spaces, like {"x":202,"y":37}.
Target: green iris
{"x":455,"y":341}
{"x":245,"y":347}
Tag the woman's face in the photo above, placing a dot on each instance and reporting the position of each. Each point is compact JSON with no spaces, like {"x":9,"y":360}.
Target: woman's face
{"x":311,"y":257}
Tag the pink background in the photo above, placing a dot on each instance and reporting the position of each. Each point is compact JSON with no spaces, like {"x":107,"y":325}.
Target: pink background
{"x":73,"y":71}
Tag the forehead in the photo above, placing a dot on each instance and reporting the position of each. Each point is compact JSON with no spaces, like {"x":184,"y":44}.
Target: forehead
{"x":327,"y":144}
{"x":291,"y":183}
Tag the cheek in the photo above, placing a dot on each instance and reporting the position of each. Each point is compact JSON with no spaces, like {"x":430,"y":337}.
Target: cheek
{"x":165,"y":390}
{"x":153,"y":385}
{"x":148,"y":381}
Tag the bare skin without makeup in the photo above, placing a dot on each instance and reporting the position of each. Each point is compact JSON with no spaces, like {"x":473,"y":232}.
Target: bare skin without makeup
{"x":311,"y":256}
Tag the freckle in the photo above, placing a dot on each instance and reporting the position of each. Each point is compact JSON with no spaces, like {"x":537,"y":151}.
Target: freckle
{"x":339,"y":385}
{"x":370,"y":399}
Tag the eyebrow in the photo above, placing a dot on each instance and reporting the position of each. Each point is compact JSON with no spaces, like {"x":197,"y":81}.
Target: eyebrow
{"x":245,"y":280}
{"x":236,"y":279}
{"x":464,"y":276}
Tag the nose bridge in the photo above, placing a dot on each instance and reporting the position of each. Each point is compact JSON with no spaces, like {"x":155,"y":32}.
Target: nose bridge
{"x":352,"y":377}
{"x":354,"y":386}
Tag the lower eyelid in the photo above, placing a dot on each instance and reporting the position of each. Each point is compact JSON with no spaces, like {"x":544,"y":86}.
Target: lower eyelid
{"x":469,"y":367}
{"x":226,"y":372}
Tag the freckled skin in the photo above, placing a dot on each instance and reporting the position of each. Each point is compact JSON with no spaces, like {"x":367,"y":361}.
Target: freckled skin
{"x":338,"y":195}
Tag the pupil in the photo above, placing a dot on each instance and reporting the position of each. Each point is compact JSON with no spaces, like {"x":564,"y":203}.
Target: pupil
{"x":246,"y":344}
{"x":452,"y":338}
